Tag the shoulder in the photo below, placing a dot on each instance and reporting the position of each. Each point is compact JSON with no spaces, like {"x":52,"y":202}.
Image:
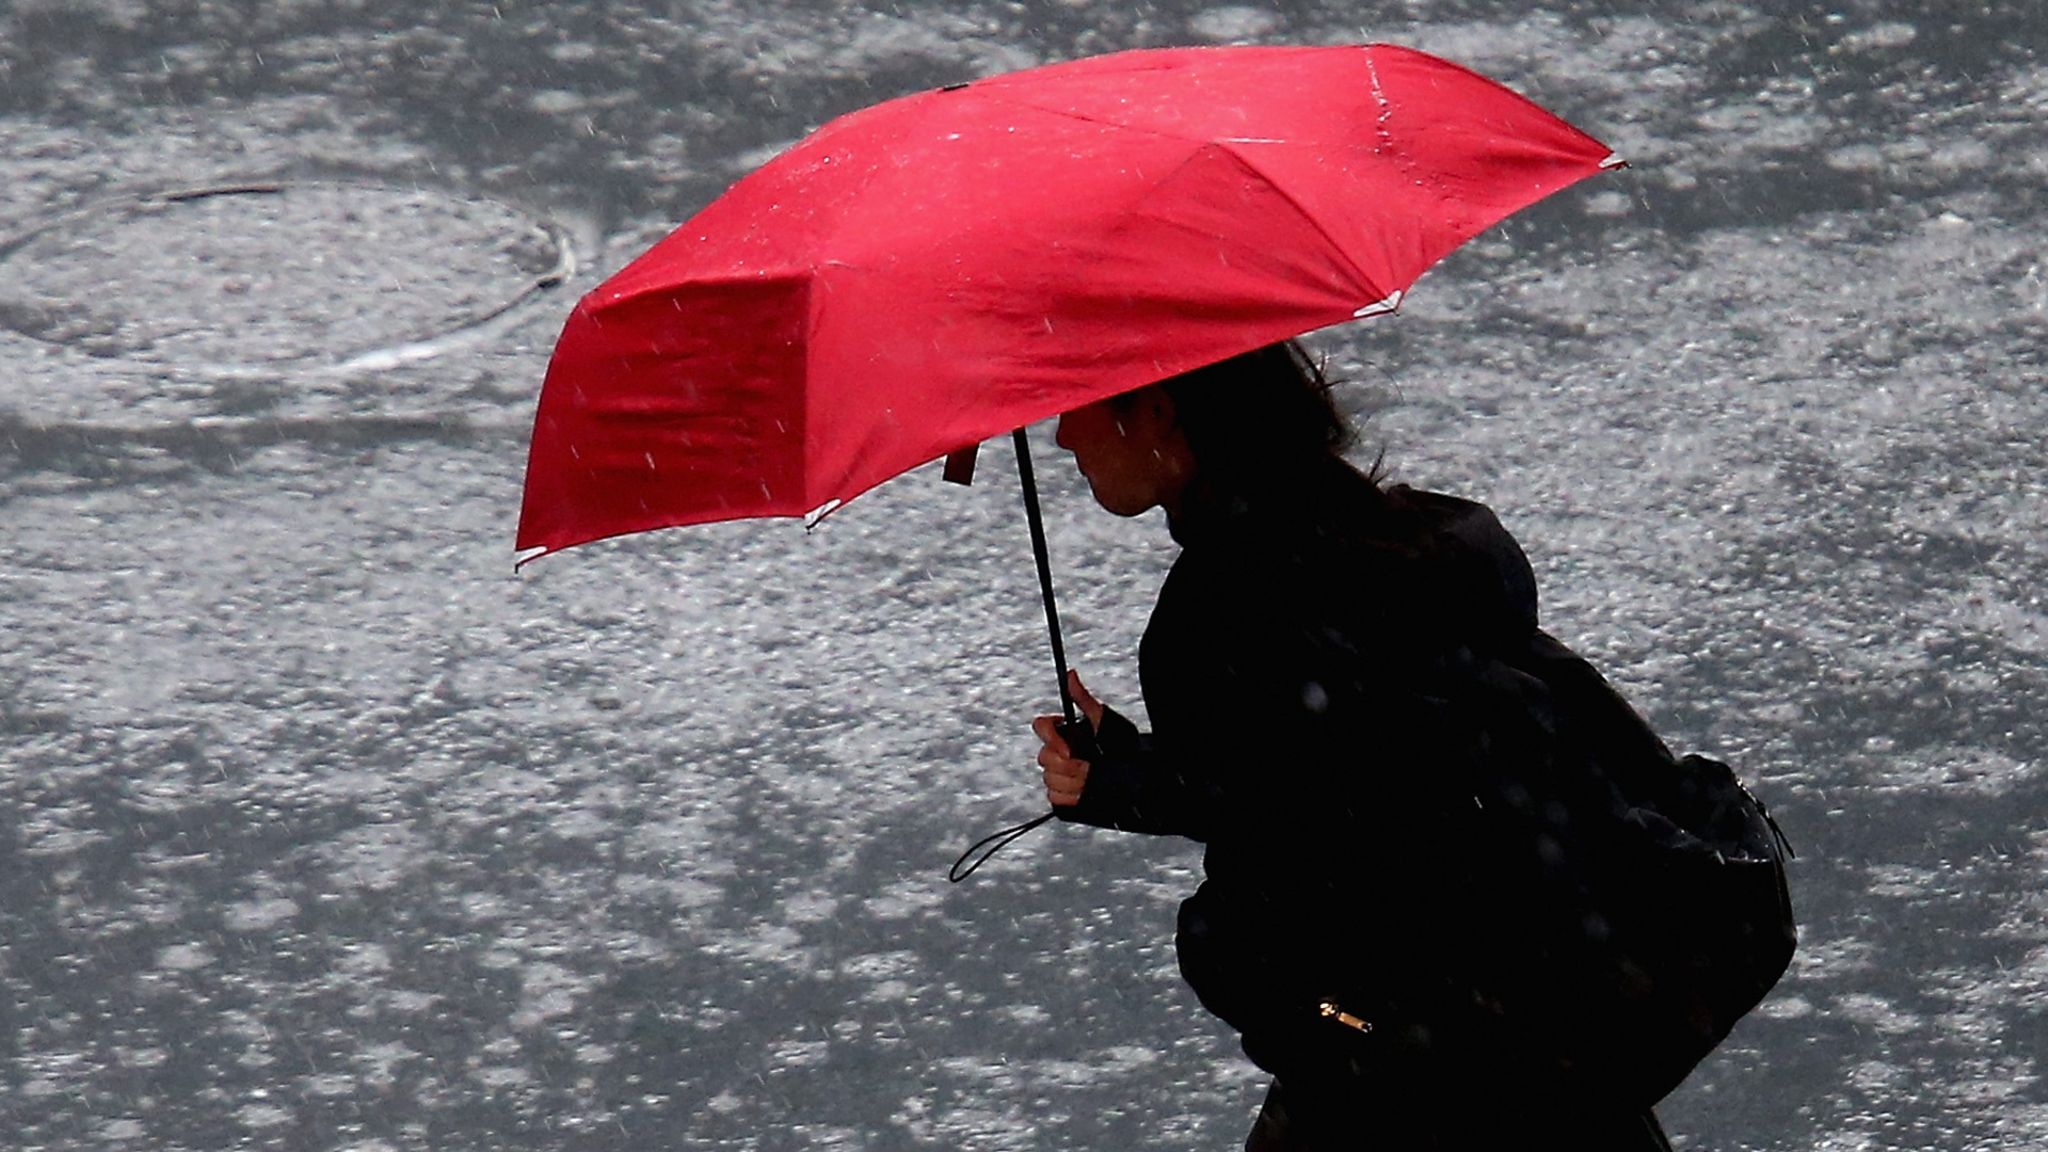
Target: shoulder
{"x":1300,"y":563}
{"x":1407,"y":566}
{"x":1472,"y":562}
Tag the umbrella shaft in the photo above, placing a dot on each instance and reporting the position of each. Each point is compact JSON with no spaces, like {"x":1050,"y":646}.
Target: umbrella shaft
{"x":1052,"y":612}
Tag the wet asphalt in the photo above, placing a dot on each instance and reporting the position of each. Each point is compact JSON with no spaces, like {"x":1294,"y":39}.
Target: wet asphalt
{"x":321,"y":829}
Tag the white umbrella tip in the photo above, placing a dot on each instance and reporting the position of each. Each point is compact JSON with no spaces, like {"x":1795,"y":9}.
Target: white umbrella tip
{"x":812,"y":517}
{"x":1379,"y":307}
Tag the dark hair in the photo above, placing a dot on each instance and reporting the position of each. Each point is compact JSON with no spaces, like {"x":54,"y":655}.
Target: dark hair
{"x":1263,"y":414}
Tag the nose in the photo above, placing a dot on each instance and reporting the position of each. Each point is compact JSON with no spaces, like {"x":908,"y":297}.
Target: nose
{"x":1059,"y":433}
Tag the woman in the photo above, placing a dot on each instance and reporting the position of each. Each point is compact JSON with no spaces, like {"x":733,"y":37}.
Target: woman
{"x":1331,"y":707}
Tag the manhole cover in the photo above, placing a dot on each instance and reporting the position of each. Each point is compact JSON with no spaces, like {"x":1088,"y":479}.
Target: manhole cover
{"x":272,"y":274}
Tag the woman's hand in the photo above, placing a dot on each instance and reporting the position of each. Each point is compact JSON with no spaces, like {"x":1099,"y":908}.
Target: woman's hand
{"x":1064,"y":775}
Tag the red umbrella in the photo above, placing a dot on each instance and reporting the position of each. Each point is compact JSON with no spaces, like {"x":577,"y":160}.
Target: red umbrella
{"x":937,"y":269}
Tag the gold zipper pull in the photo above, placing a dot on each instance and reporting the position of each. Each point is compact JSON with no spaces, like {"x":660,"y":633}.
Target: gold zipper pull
{"x":1330,"y":1011}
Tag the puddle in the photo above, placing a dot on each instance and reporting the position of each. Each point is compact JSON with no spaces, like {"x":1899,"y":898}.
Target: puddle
{"x":253,"y":277}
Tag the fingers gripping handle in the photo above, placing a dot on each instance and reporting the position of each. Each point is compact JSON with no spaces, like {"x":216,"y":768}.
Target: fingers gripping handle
{"x":1080,"y":738}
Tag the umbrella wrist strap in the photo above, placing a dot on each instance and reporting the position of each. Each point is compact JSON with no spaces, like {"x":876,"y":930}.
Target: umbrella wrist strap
{"x":997,"y":841}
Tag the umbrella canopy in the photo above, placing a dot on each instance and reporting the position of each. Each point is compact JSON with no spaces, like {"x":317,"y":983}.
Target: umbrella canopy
{"x":923,"y":274}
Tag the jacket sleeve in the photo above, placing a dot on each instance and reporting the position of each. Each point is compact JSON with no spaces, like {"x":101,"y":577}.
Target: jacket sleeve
{"x":1272,"y":733}
{"x":1260,"y":700}
{"x":1131,"y":788}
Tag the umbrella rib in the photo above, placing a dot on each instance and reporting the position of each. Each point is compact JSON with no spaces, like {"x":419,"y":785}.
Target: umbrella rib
{"x":1307,"y":217}
{"x":1188,"y":138}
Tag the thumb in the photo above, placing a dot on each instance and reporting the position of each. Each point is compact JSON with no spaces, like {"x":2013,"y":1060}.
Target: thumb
{"x":1090,"y":707}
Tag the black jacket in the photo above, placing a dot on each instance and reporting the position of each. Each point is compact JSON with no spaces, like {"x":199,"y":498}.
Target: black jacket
{"x":1336,"y":681}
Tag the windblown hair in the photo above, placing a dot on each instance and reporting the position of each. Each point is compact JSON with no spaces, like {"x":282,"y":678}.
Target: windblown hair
{"x":1264,"y":413}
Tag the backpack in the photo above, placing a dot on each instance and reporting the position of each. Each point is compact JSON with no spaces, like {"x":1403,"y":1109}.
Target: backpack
{"x":1665,"y":915}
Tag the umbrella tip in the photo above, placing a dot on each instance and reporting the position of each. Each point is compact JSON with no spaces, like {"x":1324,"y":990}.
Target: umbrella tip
{"x":812,"y":517}
{"x":1614,"y":160}
{"x":1379,"y":307}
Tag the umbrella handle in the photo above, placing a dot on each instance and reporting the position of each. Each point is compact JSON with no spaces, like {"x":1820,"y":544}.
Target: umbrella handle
{"x":1080,"y":738}
{"x":1038,"y":552}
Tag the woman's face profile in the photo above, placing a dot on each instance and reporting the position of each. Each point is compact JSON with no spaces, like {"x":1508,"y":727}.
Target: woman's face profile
{"x":1129,"y":449}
